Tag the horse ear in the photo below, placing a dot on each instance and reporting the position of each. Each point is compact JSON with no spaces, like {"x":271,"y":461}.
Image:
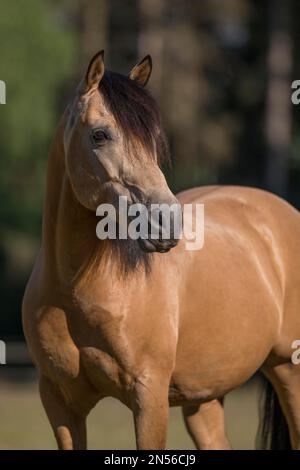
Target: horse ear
{"x":142,"y":71}
{"x":94,"y":72}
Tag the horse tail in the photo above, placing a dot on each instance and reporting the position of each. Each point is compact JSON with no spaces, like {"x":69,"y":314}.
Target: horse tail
{"x":273,"y":432}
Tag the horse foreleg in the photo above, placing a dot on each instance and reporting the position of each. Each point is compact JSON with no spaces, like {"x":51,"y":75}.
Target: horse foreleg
{"x":69,"y":428}
{"x":151,"y":411}
{"x":206,"y":425}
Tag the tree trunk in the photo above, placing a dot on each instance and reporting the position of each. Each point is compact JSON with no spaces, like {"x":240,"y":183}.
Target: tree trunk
{"x":151,"y":41}
{"x":278,"y":120}
{"x":94,"y":18}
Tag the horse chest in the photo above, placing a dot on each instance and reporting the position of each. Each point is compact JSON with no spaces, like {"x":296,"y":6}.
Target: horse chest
{"x":101,"y":333}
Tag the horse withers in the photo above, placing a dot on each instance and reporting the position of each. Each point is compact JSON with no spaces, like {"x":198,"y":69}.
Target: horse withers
{"x":151,"y":323}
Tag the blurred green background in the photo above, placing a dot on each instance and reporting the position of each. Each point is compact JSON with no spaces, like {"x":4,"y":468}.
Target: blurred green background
{"x":222,"y":76}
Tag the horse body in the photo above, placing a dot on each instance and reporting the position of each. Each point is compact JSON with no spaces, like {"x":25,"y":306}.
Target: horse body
{"x":236,"y":289}
{"x":197,"y":325}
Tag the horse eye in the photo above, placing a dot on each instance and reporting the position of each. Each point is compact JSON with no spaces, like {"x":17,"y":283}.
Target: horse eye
{"x":99,"y":136}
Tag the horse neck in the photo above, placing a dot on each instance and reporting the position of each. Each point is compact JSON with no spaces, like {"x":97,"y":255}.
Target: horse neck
{"x":69,"y":229}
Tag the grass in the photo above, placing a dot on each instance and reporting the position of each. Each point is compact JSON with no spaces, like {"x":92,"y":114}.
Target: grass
{"x":23,"y":423}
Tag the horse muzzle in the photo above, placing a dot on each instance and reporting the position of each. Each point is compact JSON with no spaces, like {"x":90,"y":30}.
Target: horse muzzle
{"x":167,"y":233}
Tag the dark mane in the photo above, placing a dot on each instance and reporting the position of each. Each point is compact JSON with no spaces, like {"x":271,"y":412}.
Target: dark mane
{"x":136,"y":113}
{"x":131,"y":257}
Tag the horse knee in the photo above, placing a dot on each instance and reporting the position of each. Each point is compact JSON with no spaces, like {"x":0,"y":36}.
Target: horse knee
{"x":151,"y":409}
{"x":69,"y":428}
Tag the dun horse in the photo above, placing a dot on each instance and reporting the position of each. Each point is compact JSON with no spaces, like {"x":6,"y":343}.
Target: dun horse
{"x":120,"y":318}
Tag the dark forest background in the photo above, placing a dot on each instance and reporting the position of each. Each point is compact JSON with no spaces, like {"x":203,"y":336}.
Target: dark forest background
{"x":222,"y":76}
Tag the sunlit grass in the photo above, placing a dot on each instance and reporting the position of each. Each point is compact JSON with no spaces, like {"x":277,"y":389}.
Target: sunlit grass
{"x":23,"y":423}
